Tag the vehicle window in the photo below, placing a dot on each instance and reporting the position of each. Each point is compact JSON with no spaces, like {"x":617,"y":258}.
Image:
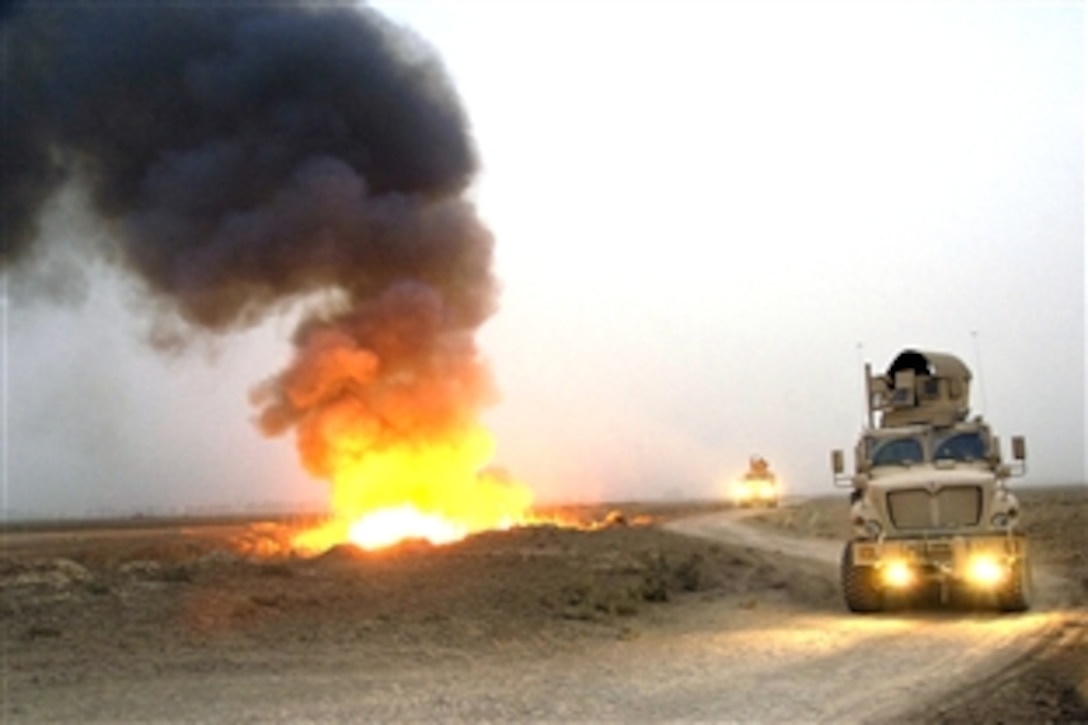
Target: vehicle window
{"x":897,"y":451}
{"x":962,"y":447}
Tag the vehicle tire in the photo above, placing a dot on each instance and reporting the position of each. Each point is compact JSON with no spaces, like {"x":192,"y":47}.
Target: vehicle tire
{"x":1015,"y":595}
{"x":859,"y":586}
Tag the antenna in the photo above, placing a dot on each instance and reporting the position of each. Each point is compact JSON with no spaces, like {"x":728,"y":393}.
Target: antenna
{"x":978,"y":366}
{"x":867,"y":415}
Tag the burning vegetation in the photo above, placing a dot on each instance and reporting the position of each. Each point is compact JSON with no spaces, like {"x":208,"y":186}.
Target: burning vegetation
{"x":249,"y":159}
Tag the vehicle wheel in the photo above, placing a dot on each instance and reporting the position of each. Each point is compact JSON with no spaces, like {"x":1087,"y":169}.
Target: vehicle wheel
{"x":1015,"y":595}
{"x":859,"y":586}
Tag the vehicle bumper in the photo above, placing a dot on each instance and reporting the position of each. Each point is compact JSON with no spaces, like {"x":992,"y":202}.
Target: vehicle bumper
{"x":982,"y":562}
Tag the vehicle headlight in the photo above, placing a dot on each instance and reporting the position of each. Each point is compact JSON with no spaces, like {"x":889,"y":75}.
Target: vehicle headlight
{"x":897,"y":574}
{"x":1000,"y":520}
{"x":985,"y":570}
{"x":873,"y":528}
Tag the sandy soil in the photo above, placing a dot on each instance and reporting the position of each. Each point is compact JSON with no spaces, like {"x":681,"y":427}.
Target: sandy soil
{"x":182,"y":621}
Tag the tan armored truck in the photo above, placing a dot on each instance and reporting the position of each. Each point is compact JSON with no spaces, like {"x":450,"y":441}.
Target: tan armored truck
{"x":758,"y":486}
{"x":929,"y":502}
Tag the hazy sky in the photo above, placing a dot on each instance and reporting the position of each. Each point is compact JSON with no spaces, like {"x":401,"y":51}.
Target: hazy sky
{"x":707,"y":216}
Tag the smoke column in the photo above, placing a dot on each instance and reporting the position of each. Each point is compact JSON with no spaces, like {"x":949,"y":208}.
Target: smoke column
{"x":248,"y":156}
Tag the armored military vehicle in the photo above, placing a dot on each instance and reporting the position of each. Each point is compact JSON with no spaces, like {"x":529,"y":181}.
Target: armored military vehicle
{"x":930,"y":505}
{"x":758,"y":486}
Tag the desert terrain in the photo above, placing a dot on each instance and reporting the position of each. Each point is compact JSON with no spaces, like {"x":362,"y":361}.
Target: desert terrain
{"x":688,"y":611}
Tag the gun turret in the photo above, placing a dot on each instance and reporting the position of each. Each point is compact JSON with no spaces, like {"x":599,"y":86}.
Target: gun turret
{"x":920,"y":388}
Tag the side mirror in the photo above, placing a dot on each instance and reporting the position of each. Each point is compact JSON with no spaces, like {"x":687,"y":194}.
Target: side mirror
{"x":1019,"y":448}
{"x":837,"y":465}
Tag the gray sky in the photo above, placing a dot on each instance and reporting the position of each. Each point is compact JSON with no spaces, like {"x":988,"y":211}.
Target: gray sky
{"x":707,"y":216}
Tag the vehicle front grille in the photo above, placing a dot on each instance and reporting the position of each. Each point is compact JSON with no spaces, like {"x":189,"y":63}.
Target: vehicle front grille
{"x":946,"y":507}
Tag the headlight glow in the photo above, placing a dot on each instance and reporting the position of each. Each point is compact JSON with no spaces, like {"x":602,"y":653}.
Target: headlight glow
{"x":897,"y":574}
{"x":755,"y":490}
{"x":985,"y":570}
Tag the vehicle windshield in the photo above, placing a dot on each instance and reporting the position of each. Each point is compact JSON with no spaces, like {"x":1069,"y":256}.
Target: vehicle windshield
{"x":896,"y":451}
{"x":961,"y":447}
{"x":965,"y":446}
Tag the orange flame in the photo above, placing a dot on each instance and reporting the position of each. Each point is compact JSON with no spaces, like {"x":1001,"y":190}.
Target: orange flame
{"x":384,"y":398}
{"x":434,"y":492}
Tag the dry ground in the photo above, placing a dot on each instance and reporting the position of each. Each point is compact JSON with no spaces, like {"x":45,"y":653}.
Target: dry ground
{"x":81,"y":610}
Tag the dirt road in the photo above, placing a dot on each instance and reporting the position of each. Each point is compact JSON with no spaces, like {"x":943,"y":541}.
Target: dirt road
{"x":891,"y":664}
{"x":761,"y":668}
{"x":477,"y":632}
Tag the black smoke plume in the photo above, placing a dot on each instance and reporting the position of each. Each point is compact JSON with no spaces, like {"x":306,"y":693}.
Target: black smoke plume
{"x":248,"y":155}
